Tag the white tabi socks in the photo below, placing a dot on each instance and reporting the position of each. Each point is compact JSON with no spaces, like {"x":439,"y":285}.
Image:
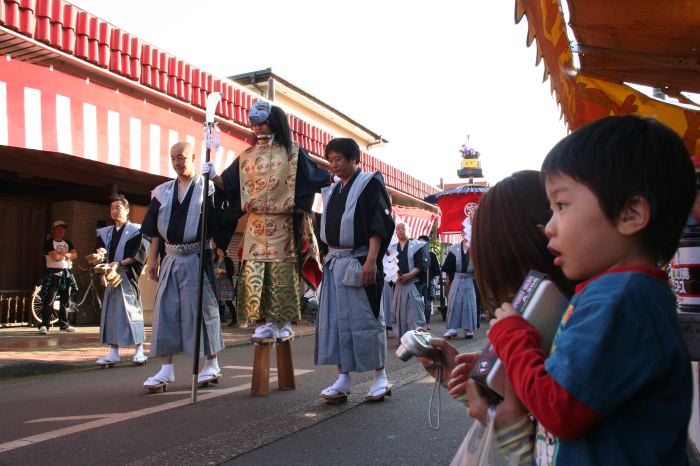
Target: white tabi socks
{"x":112,"y":356}
{"x":342,"y":386}
{"x":285,"y":330}
{"x":139,"y":356}
{"x":166,"y":375}
{"x":380,"y":384}
{"x":209,"y":371}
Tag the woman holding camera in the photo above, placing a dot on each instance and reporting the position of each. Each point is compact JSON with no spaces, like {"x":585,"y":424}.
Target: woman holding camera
{"x":504,"y":249}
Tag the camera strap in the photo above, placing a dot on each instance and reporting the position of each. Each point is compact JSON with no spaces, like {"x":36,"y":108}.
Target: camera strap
{"x":436,"y":387}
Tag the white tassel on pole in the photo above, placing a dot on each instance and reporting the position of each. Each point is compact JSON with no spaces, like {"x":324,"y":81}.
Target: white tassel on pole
{"x":391,"y":259}
{"x":467,"y":231}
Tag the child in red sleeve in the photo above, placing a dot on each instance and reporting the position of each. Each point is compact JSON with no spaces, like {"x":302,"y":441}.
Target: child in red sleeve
{"x":616,"y":386}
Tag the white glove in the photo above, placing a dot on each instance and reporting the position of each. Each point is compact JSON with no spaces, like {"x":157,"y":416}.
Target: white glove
{"x":208,"y":167}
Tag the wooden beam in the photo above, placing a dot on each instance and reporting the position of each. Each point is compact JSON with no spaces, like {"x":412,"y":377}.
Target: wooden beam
{"x":692,"y":63}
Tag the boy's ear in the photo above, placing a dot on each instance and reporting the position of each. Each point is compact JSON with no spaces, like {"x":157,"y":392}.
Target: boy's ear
{"x":635,"y":216}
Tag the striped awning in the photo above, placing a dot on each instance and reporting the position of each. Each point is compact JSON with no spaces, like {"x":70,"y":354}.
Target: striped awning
{"x":83,"y":119}
{"x":420,"y":221}
{"x":450,"y":238}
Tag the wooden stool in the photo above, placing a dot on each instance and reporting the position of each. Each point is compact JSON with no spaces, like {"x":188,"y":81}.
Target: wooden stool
{"x":260,"y":385}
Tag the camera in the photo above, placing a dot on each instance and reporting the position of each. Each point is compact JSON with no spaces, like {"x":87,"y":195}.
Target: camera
{"x":416,"y":343}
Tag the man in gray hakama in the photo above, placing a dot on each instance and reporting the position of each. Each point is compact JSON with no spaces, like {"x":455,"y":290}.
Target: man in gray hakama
{"x":462,"y":309}
{"x":173,"y":222}
{"x":356,"y":226}
{"x":407,"y":307}
{"x":124,"y":249}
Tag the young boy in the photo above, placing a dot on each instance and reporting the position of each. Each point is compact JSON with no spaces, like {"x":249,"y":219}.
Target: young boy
{"x":616,"y":387}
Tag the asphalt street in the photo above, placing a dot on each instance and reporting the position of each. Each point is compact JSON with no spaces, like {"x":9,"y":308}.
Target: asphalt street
{"x":103,"y":416}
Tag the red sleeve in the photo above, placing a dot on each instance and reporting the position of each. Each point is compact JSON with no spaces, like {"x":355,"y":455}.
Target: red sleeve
{"x":517,"y":344}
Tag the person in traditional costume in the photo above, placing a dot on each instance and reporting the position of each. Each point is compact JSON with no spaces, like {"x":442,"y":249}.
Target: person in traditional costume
{"x":125,"y":250}
{"x":59,"y":279}
{"x":429,"y":288}
{"x":274,"y":182}
{"x":407,"y":307}
{"x":173,"y":222}
{"x":356,"y":225}
{"x":462,"y":311}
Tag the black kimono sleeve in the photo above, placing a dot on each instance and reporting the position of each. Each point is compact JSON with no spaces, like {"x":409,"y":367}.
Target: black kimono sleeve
{"x":149,"y":226}
{"x":232,"y":212}
{"x":373,"y":217}
{"x":450,"y":265}
{"x":136,"y":249}
{"x":421,"y":260}
{"x":310,"y":180}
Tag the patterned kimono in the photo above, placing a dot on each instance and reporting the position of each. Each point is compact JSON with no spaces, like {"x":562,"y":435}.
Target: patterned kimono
{"x":271,"y":184}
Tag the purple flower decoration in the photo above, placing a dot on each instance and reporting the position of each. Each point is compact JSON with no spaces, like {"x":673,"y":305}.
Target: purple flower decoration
{"x":468,"y":152}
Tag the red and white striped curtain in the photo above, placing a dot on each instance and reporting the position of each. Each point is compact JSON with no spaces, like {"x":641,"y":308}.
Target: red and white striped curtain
{"x":420,"y":221}
{"x":450,"y":238}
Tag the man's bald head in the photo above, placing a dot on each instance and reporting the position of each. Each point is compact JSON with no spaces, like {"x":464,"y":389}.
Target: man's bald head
{"x":182,"y":147}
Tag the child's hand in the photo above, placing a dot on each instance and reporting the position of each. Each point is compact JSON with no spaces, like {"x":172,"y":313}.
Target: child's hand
{"x":506,"y":310}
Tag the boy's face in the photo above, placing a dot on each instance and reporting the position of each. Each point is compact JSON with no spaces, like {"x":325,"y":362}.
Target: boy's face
{"x":582,"y":239}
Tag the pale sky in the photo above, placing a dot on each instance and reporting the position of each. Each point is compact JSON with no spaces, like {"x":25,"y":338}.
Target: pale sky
{"x":421,"y":74}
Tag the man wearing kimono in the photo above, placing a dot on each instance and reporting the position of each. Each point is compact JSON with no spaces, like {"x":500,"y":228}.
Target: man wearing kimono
{"x":357,"y":226}
{"x":407,"y":307}
{"x":173,"y":222}
{"x":274,"y":182}
{"x":462,"y":310}
{"x":123,"y":247}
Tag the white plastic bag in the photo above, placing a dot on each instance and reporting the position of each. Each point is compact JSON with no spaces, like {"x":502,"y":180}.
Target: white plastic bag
{"x":353,"y":274}
{"x":479,"y":447}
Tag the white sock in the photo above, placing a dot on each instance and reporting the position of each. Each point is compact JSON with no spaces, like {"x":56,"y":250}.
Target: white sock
{"x":139,"y":351}
{"x":113,"y":353}
{"x":343,"y":382}
{"x":211,"y":364}
{"x":380,"y":380}
{"x":166,"y":370}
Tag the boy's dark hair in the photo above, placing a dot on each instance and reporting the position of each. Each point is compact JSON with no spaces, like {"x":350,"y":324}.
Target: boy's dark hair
{"x":120,"y":198}
{"x":424,"y":238}
{"x":346,"y":147}
{"x":619,"y":158}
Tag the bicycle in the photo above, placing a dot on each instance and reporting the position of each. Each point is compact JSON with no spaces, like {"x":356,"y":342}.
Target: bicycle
{"x":92,"y":291}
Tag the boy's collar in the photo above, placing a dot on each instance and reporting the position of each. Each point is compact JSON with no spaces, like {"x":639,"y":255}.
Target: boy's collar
{"x":652,"y":271}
